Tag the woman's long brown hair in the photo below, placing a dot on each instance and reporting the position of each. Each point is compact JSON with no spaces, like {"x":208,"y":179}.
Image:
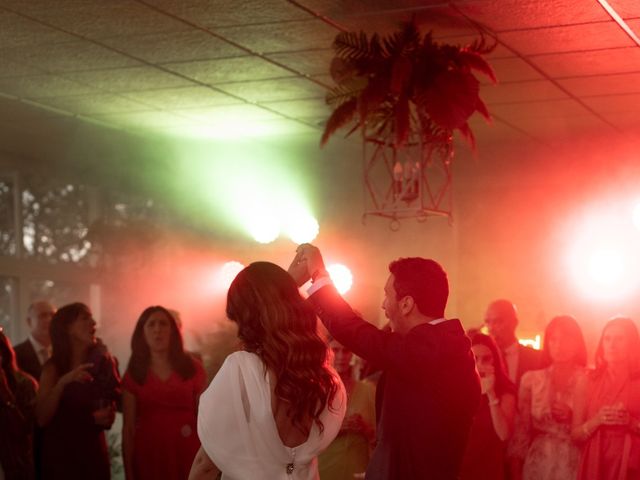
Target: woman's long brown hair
{"x":278,"y":325}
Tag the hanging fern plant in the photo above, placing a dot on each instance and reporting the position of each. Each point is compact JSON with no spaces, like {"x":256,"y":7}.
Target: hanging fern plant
{"x":405,"y":82}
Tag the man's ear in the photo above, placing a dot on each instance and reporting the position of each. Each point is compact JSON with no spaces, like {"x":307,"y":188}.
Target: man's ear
{"x":406,"y":305}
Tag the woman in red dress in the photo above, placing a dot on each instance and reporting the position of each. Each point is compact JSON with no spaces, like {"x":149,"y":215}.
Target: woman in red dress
{"x":607,"y":407}
{"x":161,"y":386}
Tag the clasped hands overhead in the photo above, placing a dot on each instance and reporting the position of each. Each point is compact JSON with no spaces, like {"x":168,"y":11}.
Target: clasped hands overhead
{"x":307,"y":264}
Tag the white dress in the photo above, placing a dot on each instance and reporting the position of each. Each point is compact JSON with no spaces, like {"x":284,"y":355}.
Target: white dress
{"x":238,"y":432}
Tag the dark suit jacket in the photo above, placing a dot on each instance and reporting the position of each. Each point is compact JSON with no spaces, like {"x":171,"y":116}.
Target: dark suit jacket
{"x":426,"y":398}
{"x":28,"y":359}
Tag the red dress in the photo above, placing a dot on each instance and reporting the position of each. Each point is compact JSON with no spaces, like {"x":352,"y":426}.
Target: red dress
{"x":166,"y":440}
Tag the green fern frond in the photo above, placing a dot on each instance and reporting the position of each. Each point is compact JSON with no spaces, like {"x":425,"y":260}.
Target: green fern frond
{"x":346,"y":91}
{"x":355,"y":46}
{"x":339,"y":118}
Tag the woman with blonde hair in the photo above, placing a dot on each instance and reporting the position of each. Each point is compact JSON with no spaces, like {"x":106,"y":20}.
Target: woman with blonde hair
{"x":273,"y":407}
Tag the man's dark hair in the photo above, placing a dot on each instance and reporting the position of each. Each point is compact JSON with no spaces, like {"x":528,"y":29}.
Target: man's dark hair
{"x":425,"y":281}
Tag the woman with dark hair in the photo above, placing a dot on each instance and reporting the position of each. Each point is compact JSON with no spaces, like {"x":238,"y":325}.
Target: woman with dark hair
{"x":273,"y":407}
{"x":17,"y":401}
{"x":493,"y":423}
{"x":546,"y":399}
{"x":160,"y":400}
{"x":79,"y":388}
{"x":607,"y":410}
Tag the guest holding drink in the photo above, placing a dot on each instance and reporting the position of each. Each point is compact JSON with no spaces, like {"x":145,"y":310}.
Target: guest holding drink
{"x":607,"y":409}
{"x":546,"y":402}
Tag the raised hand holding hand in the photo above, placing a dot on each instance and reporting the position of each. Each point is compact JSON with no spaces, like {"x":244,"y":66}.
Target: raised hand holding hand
{"x":298,"y":269}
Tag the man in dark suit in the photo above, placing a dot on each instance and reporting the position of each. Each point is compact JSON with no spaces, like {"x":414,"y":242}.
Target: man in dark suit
{"x":429,"y":389}
{"x":502,"y":319}
{"x":36,"y":349}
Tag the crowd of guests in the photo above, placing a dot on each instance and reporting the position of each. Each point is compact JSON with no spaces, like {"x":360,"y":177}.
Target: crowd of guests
{"x":54,"y":428}
{"x":437,"y":402}
{"x":571,"y":422}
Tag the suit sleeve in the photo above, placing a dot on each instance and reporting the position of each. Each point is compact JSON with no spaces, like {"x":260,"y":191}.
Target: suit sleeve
{"x":386,"y":349}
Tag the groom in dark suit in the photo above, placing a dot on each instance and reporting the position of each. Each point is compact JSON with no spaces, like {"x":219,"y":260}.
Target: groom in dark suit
{"x":36,"y":349}
{"x":429,"y":389}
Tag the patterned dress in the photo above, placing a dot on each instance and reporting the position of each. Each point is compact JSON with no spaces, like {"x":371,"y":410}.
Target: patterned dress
{"x":545,"y":444}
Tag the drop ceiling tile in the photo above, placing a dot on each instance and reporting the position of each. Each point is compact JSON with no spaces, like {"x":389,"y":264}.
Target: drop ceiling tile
{"x":511,"y":70}
{"x":128,"y":79}
{"x":42,"y":86}
{"x":626,"y":8}
{"x":231,"y":112}
{"x":282,"y":37}
{"x":520,"y":92}
{"x":17,"y":32}
{"x":148,"y":119}
{"x":229,"y":70}
{"x":174,"y":46}
{"x":307,"y":62}
{"x":590,"y":36}
{"x":99,"y":19}
{"x":282,"y":126}
{"x":181,"y":98}
{"x":602,"y":84}
{"x":544,"y":109}
{"x":232,"y":12}
{"x":624,"y":120}
{"x":301,"y":108}
{"x":93,"y":104}
{"x":615,"y":103}
{"x":17,"y":69}
{"x":70,"y":57}
{"x":275,"y":90}
{"x":523,"y":14}
{"x":602,"y":62}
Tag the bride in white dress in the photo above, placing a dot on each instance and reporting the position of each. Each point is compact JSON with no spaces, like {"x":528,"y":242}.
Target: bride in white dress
{"x":273,"y":407}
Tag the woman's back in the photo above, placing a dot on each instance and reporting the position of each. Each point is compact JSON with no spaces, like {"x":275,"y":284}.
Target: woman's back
{"x":248,"y":435}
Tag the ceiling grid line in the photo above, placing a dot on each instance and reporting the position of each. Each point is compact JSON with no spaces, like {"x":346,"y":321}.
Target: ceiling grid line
{"x":165,"y":70}
{"x":537,"y":69}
